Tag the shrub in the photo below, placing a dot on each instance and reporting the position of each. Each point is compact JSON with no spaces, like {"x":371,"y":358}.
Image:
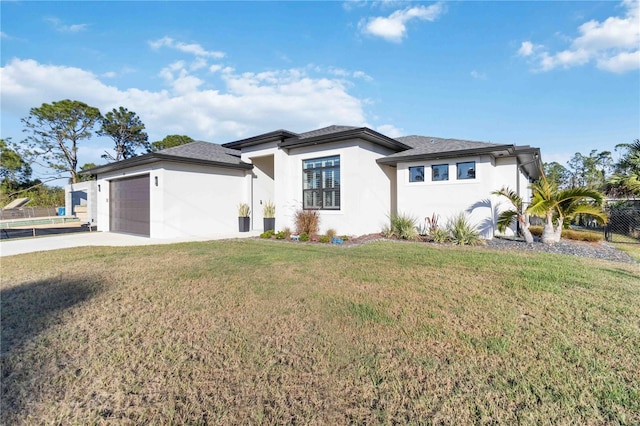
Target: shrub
{"x":462,"y":232}
{"x":267,"y":234}
{"x":281,"y":235}
{"x":571,"y":234}
{"x":331,"y":233}
{"x":324,"y":239}
{"x":287,"y":233}
{"x":344,"y":238}
{"x":307,"y":222}
{"x":243,"y":210}
{"x":269,"y":210}
{"x":439,"y":235}
{"x":304,"y":237}
{"x":403,"y":227}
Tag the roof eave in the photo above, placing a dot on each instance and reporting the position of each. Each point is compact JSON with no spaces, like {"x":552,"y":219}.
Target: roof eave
{"x":446,"y":154}
{"x":277,"y":136}
{"x":360,"y":133}
{"x":156,"y":157}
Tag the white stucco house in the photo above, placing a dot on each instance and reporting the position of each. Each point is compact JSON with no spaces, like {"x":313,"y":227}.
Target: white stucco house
{"x":354,"y":176}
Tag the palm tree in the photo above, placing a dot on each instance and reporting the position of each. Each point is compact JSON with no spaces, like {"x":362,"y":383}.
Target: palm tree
{"x":626,"y":179}
{"x":557,"y":206}
{"x":507,"y":217}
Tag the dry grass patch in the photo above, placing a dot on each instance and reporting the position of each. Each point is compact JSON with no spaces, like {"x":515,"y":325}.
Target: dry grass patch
{"x":261,"y":332}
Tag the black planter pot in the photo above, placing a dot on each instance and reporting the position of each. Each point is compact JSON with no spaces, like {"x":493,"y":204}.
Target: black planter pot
{"x":269,"y":223}
{"x":244,"y":223}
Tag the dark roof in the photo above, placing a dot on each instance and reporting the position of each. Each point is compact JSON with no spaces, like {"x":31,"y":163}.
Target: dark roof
{"x":204,"y":151}
{"x":325,"y":131}
{"x":429,"y":145}
{"x":342,"y":133}
{"x":275,"y":136}
{"x":197,"y":152}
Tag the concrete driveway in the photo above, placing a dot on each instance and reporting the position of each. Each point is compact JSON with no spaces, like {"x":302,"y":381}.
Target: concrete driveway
{"x":30,"y":245}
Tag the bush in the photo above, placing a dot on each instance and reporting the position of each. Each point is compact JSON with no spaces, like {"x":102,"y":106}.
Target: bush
{"x":331,"y":233}
{"x":324,"y":239}
{"x":287,"y":233}
{"x":281,"y":235}
{"x":307,"y":222}
{"x":402,"y":226}
{"x":439,"y":235}
{"x":267,"y":234}
{"x":571,"y":234}
{"x":304,"y":237}
{"x":462,"y":232}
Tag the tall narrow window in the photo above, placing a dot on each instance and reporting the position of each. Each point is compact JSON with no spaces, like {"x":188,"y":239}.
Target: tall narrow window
{"x":321,"y":183}
{"x":467,"y":170}
{"x":416,"y":174}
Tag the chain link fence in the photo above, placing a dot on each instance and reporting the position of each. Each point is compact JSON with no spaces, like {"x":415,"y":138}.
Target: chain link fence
{"x":624,"y":222}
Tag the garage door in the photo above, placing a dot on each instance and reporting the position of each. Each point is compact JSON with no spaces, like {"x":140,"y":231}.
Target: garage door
{"x":129,"y":205}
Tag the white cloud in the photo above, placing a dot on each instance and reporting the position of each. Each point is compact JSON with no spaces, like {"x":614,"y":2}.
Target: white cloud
{"x":390,"y":130}
{"x":393,"y":28}
{"x":614,"y":45}
{"x":59,"y":26}
{"x":192,"y":48}
{"x":231,"y":105}
{"x":4,"y":35}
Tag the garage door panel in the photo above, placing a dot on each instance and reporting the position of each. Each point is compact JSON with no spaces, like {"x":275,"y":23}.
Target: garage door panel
{"x":129,"y":205}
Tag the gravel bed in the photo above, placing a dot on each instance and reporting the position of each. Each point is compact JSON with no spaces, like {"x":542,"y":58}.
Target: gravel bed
{"x":600,"y":250}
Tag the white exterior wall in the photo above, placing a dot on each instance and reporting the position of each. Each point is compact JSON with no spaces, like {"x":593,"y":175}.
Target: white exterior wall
{"x":190,"y":200}
{"x":365,"y":186}
{"x":451,"y":197}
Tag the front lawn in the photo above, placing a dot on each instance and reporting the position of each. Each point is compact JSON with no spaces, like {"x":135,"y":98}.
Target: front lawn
{"x":268,"y":332}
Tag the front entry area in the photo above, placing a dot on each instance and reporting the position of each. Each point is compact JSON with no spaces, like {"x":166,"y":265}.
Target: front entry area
{"x":129,"y":204}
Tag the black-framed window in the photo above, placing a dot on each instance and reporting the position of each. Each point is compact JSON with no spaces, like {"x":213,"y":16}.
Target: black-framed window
{"x":321,"y":183}
{"x":416,"y":174}
{"x":439,"y":172}
{"x":466,"y":170}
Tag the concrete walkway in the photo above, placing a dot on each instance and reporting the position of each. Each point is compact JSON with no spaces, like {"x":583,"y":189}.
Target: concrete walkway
{"x":30,"y":245}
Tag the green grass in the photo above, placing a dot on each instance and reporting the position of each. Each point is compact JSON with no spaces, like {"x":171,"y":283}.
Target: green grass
{"x":268,"y":332}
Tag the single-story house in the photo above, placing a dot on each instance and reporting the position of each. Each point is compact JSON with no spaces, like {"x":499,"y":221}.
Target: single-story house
{"x":354,"y":176}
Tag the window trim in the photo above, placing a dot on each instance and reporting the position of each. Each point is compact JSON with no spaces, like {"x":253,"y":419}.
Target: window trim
{"x":466,"y":178}
{"x":322,"y":190}
{"x":411,"y":174}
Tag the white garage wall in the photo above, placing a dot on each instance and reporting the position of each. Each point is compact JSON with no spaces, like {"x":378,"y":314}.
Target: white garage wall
{"x":195,"y":200}
{"x":189,"y":200}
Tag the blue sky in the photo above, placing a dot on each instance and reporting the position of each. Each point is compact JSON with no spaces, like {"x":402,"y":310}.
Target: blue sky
{"x":562,"y":76}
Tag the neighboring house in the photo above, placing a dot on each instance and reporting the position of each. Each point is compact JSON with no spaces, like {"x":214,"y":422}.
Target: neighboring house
{"x":354,"y":176}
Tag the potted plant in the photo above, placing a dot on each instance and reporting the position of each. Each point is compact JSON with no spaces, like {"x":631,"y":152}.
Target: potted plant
{"x":269,"y":214}
{"x":243,"y":217}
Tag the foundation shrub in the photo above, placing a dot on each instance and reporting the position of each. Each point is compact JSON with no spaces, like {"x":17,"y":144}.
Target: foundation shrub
{"x":307,"y":222}
{"x":462,"y":232}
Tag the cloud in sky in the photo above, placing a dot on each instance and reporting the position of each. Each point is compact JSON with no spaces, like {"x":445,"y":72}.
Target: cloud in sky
{"x":63,"y":28}
{"x":393,"y":27}
{"x":478,"y":75}
{"x":614,"y":45}
{"x":192,"y":48}
{"x":217,"y":107}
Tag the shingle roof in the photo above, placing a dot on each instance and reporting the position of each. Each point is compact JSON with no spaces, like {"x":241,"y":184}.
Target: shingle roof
{"x":325,"y":131}
{"x":204,"y":151}
{"x":423,"y":145}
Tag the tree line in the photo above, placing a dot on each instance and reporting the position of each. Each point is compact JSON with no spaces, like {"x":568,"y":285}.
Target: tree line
{"x":54,"y":133}
{"x":598,"y":171}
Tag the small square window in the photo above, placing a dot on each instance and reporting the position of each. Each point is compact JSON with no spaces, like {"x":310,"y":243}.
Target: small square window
{"x":439,"y":172}
{"x":466,"y":170}
{"x":416,"y":174}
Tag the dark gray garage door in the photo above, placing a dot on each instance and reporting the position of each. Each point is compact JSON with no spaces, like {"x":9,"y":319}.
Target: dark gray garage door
{"x":129,"y":205}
